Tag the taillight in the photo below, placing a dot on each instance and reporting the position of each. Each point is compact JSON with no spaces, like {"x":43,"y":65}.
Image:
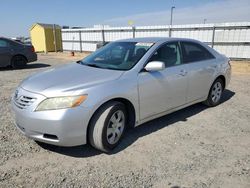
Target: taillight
{"x":32,"y":49}
{"x":229,"y":63}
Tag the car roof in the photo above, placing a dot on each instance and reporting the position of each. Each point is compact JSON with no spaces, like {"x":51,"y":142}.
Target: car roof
{"x":11,"y":40}
{"x":8,"y":39}
{"x":3,"y":38}
{"x":167,"y":39}
{"x":155,"y":39}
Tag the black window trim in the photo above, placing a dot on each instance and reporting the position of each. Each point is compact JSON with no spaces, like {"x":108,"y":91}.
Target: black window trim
{"x":183,"y":51}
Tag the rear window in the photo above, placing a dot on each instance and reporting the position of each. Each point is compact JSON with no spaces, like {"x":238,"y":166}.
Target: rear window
{"x":193,"y":52}
{"x":3,"y":43}
{"x":16,"y":43}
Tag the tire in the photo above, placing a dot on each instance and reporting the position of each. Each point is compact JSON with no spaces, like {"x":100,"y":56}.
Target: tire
{"x":18,"y":62}
{"x":215,"y":93}
{"x":105,"y":126}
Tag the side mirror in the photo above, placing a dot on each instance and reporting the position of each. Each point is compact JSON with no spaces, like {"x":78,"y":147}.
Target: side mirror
{"x":155,"y":66}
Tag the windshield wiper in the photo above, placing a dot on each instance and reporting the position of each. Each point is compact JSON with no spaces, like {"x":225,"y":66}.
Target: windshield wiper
{"x":79,"y":62}
{"x":92,"y":65}
{"x":88,"y":64}
{"x":95,"y":65}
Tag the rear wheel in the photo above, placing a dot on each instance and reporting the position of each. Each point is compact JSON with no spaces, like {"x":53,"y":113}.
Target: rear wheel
{"x":215,"y":93}
{"x":107,"y":126}
{"x":18,"y":62}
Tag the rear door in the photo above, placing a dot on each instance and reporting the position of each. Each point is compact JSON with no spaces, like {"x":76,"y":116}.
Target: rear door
{"x":201,"y":66}
{"x":160,"y":91}
{"x":5,"y":53}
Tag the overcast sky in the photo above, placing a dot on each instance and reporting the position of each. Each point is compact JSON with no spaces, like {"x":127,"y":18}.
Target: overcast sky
{"x":17,"y":16}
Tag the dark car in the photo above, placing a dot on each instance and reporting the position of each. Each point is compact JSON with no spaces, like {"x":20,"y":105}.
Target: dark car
{"x":15,"y":54}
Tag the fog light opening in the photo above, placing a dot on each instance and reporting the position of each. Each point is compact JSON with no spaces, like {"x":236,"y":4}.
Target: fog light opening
{"x":50,"y":136}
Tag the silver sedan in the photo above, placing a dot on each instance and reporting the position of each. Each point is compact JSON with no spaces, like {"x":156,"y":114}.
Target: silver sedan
{"x":123,"y":84}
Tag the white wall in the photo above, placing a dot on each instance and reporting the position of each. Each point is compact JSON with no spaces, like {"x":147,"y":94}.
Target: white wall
{"x":202,"y":32}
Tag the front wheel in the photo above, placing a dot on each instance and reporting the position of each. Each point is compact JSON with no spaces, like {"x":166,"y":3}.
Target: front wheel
{"x":107,"y":126}
{"x":215,"y":93}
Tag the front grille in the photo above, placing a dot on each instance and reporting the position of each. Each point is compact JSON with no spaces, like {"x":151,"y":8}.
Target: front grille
{"x":23,"y":102}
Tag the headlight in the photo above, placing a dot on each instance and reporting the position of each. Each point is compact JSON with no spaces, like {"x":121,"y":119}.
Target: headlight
{"x":56,"y":103}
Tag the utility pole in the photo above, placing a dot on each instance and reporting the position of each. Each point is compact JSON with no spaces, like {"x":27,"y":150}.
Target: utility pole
{"x":171,"y":20}
{"x":204,"y":21}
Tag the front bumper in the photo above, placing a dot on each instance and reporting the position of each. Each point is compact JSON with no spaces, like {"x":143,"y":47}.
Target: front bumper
{"x":65,"y":127}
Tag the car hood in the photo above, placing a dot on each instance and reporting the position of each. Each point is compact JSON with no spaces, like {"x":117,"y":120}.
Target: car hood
{"x":69,"y":78}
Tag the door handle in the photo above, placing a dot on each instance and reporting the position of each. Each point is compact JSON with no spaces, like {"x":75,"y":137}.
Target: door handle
{"x":183,"y":73}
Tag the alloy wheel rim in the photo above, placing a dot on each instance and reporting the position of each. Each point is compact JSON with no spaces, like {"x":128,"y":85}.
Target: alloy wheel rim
{"x":216,"y":92}
{"x":115,"y":127}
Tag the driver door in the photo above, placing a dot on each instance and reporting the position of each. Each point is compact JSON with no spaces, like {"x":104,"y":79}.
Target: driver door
{"x":160,"y":91}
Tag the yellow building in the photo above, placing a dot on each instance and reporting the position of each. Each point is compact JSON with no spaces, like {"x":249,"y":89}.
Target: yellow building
{"x":46,"y":37}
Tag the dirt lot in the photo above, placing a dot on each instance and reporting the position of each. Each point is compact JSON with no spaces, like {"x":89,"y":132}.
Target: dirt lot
{"x":195,"y":147}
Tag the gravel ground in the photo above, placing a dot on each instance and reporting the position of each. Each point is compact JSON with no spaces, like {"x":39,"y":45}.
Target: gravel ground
{"x":195,"y":147}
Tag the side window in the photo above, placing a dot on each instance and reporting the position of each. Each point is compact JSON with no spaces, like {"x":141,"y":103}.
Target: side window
{"x":3,"y":43}
{"x":169,"y":54}
{"x":138,"y":52}
{"x":194,"y":52}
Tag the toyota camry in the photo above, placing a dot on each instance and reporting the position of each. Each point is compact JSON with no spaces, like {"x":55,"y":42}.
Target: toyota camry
{"x":123,"y":84}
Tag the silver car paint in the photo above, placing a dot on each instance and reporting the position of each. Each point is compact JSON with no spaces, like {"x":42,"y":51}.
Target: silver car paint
{"x":152,"y":94}
{"x":68,"y":80}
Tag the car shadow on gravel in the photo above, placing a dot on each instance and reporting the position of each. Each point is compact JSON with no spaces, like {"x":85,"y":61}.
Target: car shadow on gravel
{"x":28,"y":66}
{"x":134,"y":133}
{"x":37,"y":65}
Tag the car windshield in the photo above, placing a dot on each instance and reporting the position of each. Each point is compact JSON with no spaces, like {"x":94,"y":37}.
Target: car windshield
{"x":117,"y":55}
